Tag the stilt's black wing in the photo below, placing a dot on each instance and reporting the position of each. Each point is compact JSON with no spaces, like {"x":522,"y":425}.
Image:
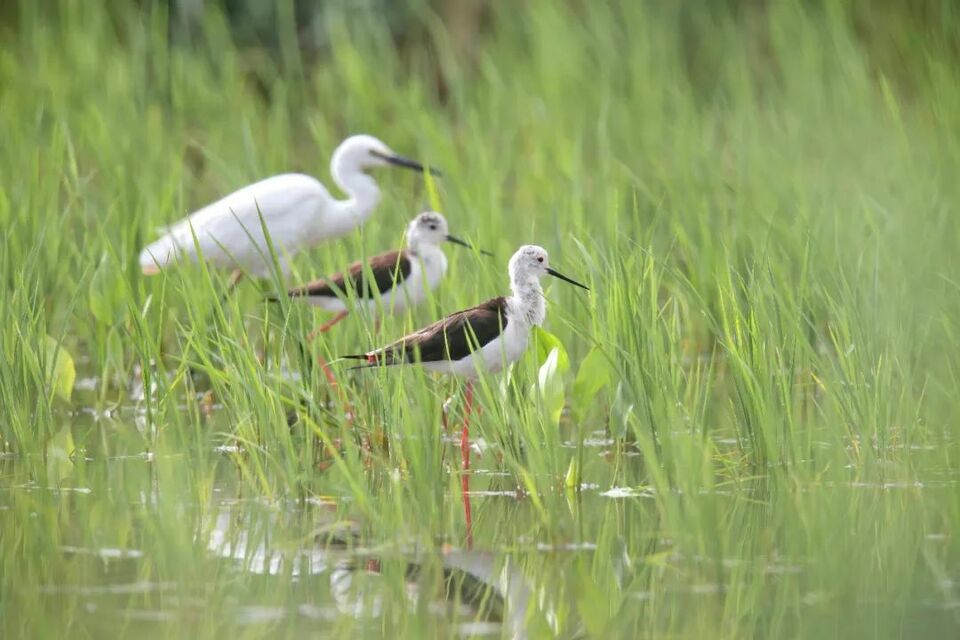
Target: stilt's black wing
{"x":455,"y":337}
{"x":388,"y":269}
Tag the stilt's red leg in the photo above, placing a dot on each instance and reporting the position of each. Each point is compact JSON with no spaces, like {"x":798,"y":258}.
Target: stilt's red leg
{"x":326,"y":326}
{"x":465,"y":458}
{"x":331,"y":379}
{"x":326,"y":371}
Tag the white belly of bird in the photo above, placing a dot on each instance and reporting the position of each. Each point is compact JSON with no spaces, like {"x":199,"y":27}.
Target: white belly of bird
{"x":425,"y":274}
{"x":493,"y":357}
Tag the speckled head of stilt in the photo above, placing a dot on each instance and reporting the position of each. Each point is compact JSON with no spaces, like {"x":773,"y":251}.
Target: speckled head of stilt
{"x":428,"y":228}
{"x":527,"y":266}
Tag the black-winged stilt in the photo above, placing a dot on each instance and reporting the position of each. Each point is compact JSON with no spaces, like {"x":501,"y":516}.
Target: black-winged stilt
{"x":484,"y":338}
{"x":390,"y":282}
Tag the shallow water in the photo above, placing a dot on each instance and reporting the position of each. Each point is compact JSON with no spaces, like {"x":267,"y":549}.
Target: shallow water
{"x":119,"y":540}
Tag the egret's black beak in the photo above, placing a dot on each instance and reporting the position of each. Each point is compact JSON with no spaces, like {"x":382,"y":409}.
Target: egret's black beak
{"x":456,"y":240}
{"x":407,"y":163}
{"x":557,"y":274}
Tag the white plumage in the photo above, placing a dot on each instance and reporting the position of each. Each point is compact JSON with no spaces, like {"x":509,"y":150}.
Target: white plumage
{"x":297,"y":211}
{"x":426,"y":271}
{"x":485,"y":338}
{"x":428,"y":264}
{"x":525,"y":308}
{"x":492,"y":357}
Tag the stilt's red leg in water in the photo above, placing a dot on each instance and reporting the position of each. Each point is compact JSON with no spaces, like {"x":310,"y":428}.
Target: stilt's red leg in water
{"x":465,"y":457}
{"x":323,"y":363}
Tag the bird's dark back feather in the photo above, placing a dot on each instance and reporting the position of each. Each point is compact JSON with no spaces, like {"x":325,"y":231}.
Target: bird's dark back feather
{"x":452,"y":338}
{"x":388,"y":269}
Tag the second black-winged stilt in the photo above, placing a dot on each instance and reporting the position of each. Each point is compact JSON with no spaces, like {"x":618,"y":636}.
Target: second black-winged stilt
{"x":390,"y":282}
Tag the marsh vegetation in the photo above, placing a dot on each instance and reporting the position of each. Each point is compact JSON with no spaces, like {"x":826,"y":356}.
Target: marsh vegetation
{"x":748,"y":429}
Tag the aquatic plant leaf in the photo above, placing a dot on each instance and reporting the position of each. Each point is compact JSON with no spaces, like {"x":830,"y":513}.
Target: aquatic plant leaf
{"x":106,"y":295}
{"x":58,"y":452}
{"x":592,"y":376}
{"x":545,"y":342}
{"x":550,"y":386}
{"x":115,"y":349}
{"x":572,"y":479}
{"x":593,"y":602}
{"x":63,"y":373}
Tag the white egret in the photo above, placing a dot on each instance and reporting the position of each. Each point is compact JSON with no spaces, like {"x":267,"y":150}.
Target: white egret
{"x":297,"y":211}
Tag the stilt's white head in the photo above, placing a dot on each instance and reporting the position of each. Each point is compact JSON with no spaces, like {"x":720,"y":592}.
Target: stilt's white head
{"x":527,"y":266}
{"x":427,"y":228}
{"x":530,"y":263}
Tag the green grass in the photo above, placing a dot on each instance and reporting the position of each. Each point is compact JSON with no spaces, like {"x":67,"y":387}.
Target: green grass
{"x":762,"y":198}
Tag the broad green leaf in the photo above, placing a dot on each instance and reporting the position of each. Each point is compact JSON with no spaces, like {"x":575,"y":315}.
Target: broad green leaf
{"x":550,"y":386}
{"x":572,"y":480}
{"x":533,"y":492}
{"x":592,"y":376}
{"x":61,"y":368}
{"x":545,"y":342}
{"x":593,"y":601}
{"x":59,"y":449}
{"x":115,"y":350}
{"x":106,"y":294}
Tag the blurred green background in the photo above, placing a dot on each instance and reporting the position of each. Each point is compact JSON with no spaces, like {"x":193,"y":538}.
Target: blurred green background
{"x":753,"y":431}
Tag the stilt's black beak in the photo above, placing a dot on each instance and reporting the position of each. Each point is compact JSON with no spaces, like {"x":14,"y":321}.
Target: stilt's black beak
{"x":557,"y":274}
{"x":456,"y":240}
{"x":400,"y":161}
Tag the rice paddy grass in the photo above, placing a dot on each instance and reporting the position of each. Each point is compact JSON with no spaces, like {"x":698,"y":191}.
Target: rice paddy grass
{"x":747,"y":429}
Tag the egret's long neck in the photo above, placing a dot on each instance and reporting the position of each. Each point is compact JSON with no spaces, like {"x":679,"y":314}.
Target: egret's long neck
{"x":363,"y":195}
{"x":528,"y":301}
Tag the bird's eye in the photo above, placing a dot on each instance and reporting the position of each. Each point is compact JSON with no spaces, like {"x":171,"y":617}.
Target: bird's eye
{"x":433,"y":227}
{"x":540,"y":259}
